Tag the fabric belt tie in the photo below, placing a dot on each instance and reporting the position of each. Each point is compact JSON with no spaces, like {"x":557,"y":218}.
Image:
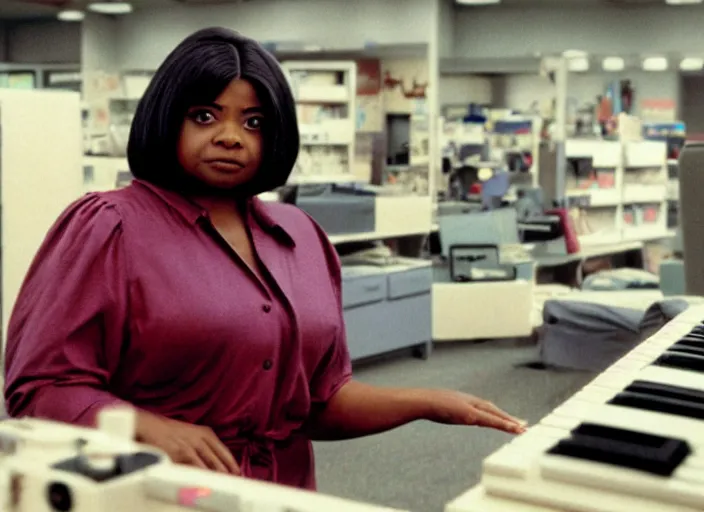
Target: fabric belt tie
{"x":259,"y":453}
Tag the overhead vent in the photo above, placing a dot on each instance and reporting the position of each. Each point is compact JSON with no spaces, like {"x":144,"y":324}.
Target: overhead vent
{"x":46,"y":3}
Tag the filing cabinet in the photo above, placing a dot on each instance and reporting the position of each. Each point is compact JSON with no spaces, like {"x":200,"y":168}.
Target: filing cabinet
{"x":387,"y":308}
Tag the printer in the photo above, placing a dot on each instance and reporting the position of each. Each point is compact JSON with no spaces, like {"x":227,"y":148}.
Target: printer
{"x":339,"y":209}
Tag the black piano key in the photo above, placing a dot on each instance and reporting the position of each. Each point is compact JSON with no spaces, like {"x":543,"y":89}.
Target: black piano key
{"x":657,"y":455}
{"x":659,"y":404}
{"x":688,"y":342}
{"x":666,"y":391}
{"x":685,"y":349}
{"x":695,"y":335}
{"x":681,"y":361}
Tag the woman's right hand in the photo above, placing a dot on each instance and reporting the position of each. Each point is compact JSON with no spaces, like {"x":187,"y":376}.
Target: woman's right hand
{"x":185,"y":443}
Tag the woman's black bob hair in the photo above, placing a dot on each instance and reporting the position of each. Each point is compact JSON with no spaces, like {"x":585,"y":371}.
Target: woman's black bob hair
{"x":195,"y":73}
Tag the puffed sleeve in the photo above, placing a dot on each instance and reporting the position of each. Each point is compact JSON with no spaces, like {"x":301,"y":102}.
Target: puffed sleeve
{"x":69,"y":321}
{"x":335,"y":368}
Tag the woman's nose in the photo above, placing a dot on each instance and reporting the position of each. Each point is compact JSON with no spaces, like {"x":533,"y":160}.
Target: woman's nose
{"x":229,"y":136}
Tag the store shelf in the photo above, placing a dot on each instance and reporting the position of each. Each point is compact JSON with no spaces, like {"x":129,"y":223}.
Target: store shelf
{"x":330,"y":94}
{"x":646,"y":233}
{"x":645,"y":153}
{"x":598,"y":197}
{"x":604,"y":154}
{"x":328,"y":132}
{"x":375,"y":235}
{"x":327,"y":119}
{"x":606,"y":237}
{"x":635,"y":193}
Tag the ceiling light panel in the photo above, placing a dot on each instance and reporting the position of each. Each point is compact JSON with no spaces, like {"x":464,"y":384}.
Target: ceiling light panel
{"x":655,"y":64}
{"x":71,"y":15}
{"x":578,"y":65}
{"x":683,"y":2}
{"x":113,"y":8}
{"x":613,"y":64}
{"x":692,"y":64}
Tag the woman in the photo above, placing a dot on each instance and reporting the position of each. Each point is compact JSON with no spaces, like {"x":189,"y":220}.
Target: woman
{"x":216,"y":316}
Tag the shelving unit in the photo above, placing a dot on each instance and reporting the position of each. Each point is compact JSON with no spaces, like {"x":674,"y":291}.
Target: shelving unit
{"x":625,"y":197}
{"x":325,"y":94}
{"x":518,"y":136}
{"x":501,"y":138}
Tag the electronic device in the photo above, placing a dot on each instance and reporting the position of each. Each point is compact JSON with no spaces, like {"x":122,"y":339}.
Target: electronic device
{"x":629,"y":440}
{"x":378,"y":255}
{"x":54,"y":467}
{"x":474,"y":262}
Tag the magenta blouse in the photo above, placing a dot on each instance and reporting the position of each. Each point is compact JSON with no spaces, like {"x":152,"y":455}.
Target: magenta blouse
{"x":134,"y":297}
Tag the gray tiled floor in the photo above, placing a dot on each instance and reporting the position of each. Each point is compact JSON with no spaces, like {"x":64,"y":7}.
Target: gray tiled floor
{"x":422,"y":466}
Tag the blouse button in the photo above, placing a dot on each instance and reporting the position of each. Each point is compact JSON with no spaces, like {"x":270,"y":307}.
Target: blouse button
{"x":266,"y":308}
{"x":268,"y":364}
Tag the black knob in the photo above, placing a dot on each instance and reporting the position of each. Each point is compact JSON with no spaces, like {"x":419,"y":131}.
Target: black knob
{"x":59,"y":496}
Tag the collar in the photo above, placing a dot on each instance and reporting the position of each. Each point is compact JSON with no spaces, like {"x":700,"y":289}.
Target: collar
{"x":192,"y":213}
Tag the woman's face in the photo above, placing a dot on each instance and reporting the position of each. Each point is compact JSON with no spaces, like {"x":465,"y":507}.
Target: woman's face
{"x":221,"y":144}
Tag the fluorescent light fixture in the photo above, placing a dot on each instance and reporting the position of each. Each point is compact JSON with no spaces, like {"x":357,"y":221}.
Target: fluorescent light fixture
{"x":692,"y":64}
{"x":478,"y":2}
{"x":485,"y":173}
{"x":613,"y":64}
{"x":71,"y":15}
{"x":111,"y":7}
{"x":683,"y":2}
{"x":655,"y":64}
{"x":574,"y":54}
{"x":578,"y":65}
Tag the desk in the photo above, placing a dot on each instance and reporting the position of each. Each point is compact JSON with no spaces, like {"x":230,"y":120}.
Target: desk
{"x":587,"y":252}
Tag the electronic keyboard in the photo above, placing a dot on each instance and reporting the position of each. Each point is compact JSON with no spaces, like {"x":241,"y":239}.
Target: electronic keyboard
{"x":632,"y":440}
{"x":55,"y":467}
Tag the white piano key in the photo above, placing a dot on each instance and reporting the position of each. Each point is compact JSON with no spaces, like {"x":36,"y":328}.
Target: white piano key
{"x":562,"y":496}
{"x":613,"y":380}
{"x":539,"y":434}
{"x":596,"y":395}
{"x":633,"y":364}
{"x":673,"y":377}
{"x":559,"y":421}
{"x":648,"y":422}
{"x":622,"y":481}
{"x":515,"y":461}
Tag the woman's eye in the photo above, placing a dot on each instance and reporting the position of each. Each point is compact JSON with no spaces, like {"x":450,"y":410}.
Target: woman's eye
{"x":202,"y":117}
{"x":254,"y":123}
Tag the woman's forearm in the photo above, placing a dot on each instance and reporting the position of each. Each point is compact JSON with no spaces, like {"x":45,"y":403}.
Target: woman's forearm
{"x":358,"y":410}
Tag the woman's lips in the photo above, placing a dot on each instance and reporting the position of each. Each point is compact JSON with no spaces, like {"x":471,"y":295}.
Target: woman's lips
{"x":225,"y":165}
